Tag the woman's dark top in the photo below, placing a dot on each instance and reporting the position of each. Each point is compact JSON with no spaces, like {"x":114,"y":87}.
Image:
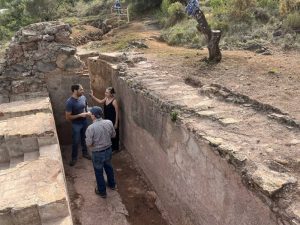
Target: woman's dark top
{"x":110,"y":114}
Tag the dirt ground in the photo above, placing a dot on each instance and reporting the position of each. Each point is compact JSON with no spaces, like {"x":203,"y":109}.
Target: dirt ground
{"x":271,"y":79}
{"x":136,"y":193}
{"x":133,"y":203}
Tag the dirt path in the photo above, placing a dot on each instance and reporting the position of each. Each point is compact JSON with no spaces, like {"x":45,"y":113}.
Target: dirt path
{"x":133,"y":203}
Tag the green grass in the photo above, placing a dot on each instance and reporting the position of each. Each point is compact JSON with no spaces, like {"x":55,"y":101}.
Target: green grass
{"x":184,"y":33}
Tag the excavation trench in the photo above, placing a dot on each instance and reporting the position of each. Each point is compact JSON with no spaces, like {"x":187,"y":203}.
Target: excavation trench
{"x":192,"y":183}
{"x":202,"y":156}
{"x":134,"y":201}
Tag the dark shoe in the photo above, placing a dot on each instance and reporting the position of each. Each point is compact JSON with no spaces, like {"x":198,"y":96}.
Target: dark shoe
{"x":73,"y":162}
{"x":87,"y":156}
{"x":115,"y":188}
{"x":115,"y":151}
{"x":102,"y":195}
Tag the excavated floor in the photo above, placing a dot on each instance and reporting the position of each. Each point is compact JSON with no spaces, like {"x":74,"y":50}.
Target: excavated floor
{"x":133,"y":203}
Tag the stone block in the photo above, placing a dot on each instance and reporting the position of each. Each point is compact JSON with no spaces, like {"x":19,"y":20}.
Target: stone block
{"x":28,"y":215}
{"x":4,"y":166}
{"x":271,"y":182}
{"x":54,"y":210}
{"x":50,"y":151}
{"x":29,"y":144}
{"x":63,"y":221}
{"x":5,"y":217}
{"x":45,"y":67}
{"x":22,"y":108}
{"x":14,"y":145}
{"x":112,"y":57}
{"x":4,"y":155}
{"x":46,"y":140}
{"x":38,"y":191}
{"x":15,"y":161}
{"x":30,"y":156}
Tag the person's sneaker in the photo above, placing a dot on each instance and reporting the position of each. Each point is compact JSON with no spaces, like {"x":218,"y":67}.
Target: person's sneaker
{"x":73,"y":162}
{"x":87,"y":156}
{"x":102,"y":195}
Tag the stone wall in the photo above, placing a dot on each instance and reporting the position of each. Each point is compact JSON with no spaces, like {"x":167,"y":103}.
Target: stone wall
{"x":194,"y":183}
{"x":39,"y":62}
{"x":35,"y":52}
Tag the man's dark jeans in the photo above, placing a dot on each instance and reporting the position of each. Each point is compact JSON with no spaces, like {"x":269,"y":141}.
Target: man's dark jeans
{"x":102,"y":159}
{"x":78,"y":135}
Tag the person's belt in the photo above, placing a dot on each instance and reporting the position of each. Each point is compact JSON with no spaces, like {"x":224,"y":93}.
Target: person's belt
{"x":102,"y":149}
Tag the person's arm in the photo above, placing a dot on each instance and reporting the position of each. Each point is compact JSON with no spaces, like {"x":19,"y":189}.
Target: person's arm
{"x":89,"y":137}
{"x":115,"y":104}
{"x":101,"y":101}
{"x":71,"y":117}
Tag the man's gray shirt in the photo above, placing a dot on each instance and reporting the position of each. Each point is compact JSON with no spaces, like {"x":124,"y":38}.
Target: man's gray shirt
{"x":99,"y":134}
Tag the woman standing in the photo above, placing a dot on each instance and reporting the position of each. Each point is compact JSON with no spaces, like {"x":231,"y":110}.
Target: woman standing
{"x":111,"y":112}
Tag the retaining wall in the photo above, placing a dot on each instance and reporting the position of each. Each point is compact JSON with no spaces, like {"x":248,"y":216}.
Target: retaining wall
{"x":194,"y":184}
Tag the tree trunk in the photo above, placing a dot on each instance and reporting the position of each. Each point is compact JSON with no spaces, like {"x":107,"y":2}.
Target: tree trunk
{"x":212,"y":36}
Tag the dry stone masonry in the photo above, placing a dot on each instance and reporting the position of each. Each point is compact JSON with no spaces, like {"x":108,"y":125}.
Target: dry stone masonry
{"x":35,"y":52}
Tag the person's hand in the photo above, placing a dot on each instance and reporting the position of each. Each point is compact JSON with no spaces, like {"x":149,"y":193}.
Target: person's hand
{"x":116,"y":126}
{"x":84,"y":115}
{"x":91,"y":93}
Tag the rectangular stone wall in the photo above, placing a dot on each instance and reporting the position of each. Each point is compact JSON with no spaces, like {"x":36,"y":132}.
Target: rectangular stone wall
{"x":194,"y":184}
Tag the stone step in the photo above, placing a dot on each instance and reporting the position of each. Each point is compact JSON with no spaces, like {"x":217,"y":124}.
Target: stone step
{"x":50,"y":151}
{"x":14,"y":161}
{"x":30,"y":156}
{"x":186,"y":100}
{"x":24,"y":134}
{"x":4,"y":165}
{"x":22,"y":108}
{"x":4,"y":154}
{"x":34,"y":193}
{"x":64,"y":221}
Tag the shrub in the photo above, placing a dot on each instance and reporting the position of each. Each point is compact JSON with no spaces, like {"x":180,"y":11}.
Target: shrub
{"x":140,"y":6}
{"x":269,"y":4}
{"x":293,"y":20}
{"x":240,"y":10}
{"x":175,"y":13}
{"x":5,"y":33}
{"x":164,"y":7}
{"x":261,"y":15}
{"x":184,"y":33}
{"x":288,"y":6}
{"x":174,"y":115}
